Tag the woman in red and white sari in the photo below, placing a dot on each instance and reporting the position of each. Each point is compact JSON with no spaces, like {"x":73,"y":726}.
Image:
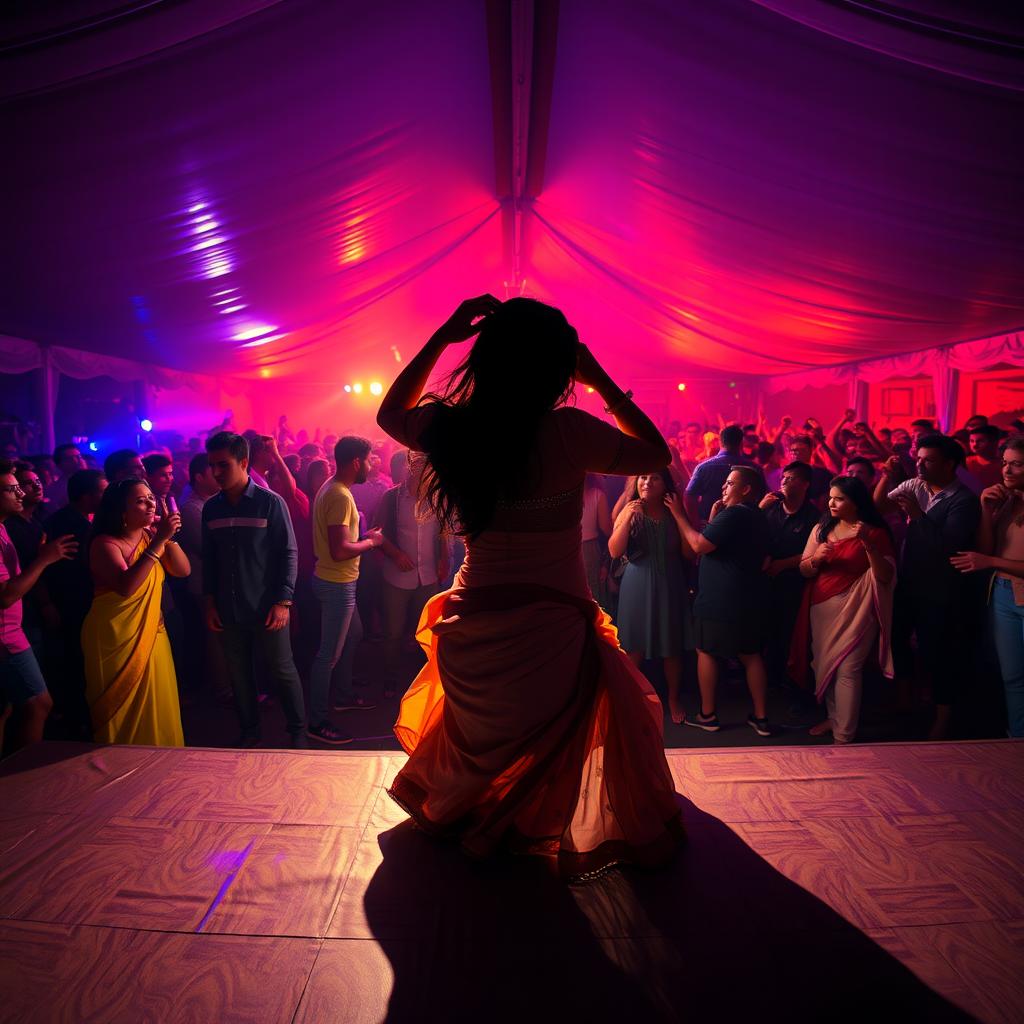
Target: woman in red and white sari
{"x":847,"y":608}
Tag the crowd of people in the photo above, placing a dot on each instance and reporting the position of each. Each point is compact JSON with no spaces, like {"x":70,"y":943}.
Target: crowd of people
{"x":252,"y":562}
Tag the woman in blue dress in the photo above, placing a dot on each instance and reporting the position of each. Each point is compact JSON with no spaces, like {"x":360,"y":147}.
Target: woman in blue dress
{"x":654,"y":619}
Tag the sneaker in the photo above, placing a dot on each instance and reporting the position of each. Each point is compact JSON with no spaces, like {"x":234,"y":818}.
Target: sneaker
{"x":709,"y":723}
{"x":759,"y":725}
{"x":354,"y":704}
{"x":326,"y":733}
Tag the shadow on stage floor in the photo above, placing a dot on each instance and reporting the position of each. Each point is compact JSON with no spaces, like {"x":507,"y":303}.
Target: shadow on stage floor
{"x":718,"y":935}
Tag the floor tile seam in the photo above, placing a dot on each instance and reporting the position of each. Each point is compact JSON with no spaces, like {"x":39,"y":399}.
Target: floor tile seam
{"x":305,"y":983}
{"x":348,"y":876}
{"x":57,"y":851}
{"x":270,"y":822}
{"x":149,"y":929}
{"x":340,"y":890}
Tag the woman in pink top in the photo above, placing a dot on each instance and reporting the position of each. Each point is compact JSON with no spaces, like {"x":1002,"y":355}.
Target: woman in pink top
{"x":528,"y":729}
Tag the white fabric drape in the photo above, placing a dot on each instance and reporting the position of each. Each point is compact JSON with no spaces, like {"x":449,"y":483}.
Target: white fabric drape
{"x":943,"y":365}
{"x":18,"y":355}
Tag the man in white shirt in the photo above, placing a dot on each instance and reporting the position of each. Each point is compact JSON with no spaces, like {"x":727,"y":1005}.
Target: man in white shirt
{"x":416,"y":561}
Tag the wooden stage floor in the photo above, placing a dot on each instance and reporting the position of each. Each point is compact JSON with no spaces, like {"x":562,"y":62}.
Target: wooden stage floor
{"x":143,"y":884}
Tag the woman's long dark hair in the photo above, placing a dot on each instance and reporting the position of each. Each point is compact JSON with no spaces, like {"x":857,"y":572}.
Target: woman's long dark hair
{"x":109,"y":518}
{"x":867,"y":511}
{"x":481,"y":438}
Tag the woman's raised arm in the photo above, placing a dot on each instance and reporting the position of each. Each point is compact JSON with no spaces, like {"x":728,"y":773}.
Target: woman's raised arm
{"x":405,"y":392}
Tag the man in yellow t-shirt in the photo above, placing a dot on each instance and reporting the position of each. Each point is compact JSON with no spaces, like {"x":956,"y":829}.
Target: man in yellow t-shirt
{"x":337,"y":547}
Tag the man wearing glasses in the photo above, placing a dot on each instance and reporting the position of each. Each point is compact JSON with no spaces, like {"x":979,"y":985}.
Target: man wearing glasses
{"x":22,"y":687}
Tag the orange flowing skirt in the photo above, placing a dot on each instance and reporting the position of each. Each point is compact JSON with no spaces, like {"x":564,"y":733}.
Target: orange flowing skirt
{"x":530,"y":731}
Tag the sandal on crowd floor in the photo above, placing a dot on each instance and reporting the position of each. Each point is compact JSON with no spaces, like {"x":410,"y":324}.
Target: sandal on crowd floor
{"x":821,"y":728}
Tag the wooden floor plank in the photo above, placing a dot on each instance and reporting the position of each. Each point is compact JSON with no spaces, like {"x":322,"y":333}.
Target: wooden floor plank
{"x":245,"y":874}
{"x":83,"y":974}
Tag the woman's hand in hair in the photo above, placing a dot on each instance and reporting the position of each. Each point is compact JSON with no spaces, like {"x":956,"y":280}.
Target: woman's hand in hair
{"x":468,"y":318}
{"x":674,"y":503}
{"x":588,"y":369}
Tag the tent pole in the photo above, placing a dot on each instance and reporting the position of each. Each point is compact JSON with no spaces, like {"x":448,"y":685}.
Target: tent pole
{"x":521,"y":44}
{"x":47,"y":382}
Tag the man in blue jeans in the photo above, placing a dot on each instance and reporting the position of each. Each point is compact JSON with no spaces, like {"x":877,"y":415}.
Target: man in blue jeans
{"x":21,"y":682}
{"x":1000,"y":548}
{"x":338,"y":548}
{"x":249,"y":566}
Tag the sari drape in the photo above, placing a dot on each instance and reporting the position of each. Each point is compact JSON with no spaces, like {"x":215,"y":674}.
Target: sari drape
{"x":529,"y":730}
{"x":131,"y":686}
{"x":864,"y":601}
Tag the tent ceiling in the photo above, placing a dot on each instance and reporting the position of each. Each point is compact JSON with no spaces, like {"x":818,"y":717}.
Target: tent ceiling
{"x":302,"y":188}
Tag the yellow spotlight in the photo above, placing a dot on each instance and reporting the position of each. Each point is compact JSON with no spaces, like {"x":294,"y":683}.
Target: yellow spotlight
{"x":682,"y":387}
{"x":357,"y":388}
{"x":376,"y":388}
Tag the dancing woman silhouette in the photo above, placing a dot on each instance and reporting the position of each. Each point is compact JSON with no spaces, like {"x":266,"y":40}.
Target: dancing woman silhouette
{"x":528,"y":730}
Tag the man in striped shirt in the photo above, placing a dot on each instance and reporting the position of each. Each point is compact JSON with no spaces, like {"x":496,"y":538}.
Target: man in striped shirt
{"x":250,"y":562}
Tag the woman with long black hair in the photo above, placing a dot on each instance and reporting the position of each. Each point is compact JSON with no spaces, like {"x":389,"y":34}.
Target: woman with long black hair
{"x":528,"y":729}
{"x":847,"y":609}
{"x":131,"y":685}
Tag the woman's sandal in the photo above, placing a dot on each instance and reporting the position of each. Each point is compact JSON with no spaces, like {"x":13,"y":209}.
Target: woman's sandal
{"x":821,"y":728}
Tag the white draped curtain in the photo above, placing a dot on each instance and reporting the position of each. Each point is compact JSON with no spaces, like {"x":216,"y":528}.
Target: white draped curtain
{"x":943,"y":365}
{"x":19,"y":355}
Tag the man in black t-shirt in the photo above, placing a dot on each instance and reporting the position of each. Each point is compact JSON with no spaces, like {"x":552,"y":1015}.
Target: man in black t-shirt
{"x":733,"y":550}
{"x":790,"y":519}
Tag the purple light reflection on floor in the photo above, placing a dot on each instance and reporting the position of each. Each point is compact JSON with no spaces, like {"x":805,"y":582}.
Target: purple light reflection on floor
{"x":232,"y":861}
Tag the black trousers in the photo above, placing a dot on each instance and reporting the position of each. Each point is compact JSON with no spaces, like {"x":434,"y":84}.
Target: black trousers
{"x":242,"y":644}
{"x":784,"y":596}
{"x":940,"y":624}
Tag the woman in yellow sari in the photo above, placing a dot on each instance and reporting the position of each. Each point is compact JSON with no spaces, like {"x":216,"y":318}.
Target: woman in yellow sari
{"x":131,"y":686}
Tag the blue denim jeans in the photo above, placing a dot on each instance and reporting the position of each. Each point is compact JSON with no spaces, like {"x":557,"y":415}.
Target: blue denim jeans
{"x":340,"y":633}
{"x":1008,"y":626}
